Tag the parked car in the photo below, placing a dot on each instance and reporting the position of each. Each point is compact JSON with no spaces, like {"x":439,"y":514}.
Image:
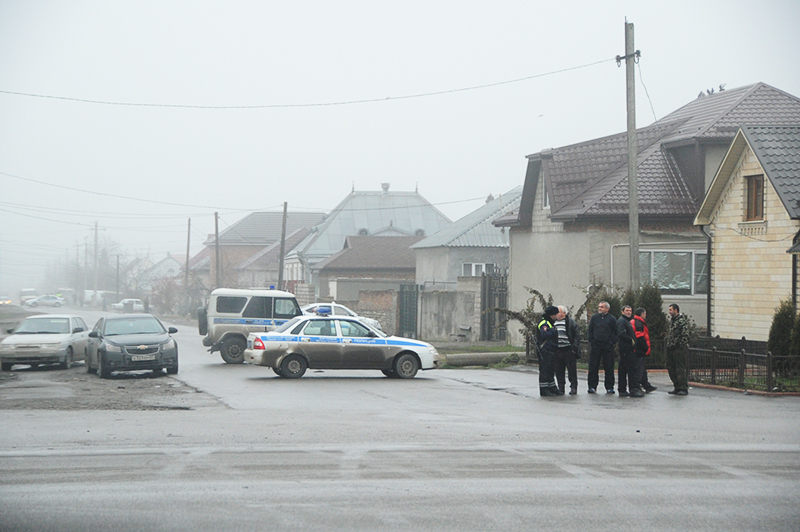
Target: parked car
{"x":48,"y":300}
{"x":335,"y":309}
{"x":5,"y":300}
{"x":45,"y":339}
{"x":320,"y":342}
{"x":128,"y":305}
{"x":131,"y":342}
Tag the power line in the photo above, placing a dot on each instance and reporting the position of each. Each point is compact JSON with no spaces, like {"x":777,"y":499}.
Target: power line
{"x":318,"y":104}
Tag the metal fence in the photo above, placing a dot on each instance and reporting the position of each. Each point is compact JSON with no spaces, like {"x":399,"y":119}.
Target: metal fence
{"x":751,"y":371}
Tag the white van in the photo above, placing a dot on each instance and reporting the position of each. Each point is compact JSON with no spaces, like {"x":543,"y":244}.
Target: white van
{"x":233,"y":313}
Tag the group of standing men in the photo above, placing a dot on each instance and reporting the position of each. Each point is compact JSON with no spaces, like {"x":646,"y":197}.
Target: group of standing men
{"x":558,"y":340}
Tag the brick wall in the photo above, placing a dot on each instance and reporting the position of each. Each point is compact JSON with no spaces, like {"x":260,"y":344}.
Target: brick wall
{"x":380,"y":305}
{"x":751,"y":271}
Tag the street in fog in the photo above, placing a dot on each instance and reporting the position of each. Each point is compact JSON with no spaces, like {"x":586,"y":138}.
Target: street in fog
{"x":449,"y":450}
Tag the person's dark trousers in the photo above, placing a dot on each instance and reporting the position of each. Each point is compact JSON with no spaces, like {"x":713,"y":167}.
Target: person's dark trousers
{"x":598,"y":354}
{"x":643,"y":380}
{"x":632,"y":364}
{"x":565,"y":360}
{"x":622,"y":371}
{"x":547,"y":379}
{"x":676,"y":365}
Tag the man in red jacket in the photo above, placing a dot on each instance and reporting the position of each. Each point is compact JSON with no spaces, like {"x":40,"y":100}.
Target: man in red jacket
{"x":642,"y":347}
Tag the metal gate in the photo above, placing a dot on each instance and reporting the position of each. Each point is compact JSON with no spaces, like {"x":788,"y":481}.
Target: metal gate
{"x":494,"y":294}
{"x":407,"y":311}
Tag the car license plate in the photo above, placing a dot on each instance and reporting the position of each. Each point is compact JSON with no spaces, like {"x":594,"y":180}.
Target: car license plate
{"x":139,"y":358}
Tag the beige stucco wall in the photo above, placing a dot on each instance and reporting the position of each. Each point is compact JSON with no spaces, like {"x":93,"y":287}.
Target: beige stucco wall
{"x":751,"y":271}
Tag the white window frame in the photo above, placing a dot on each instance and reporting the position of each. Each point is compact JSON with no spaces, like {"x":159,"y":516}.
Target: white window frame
{"x":477,"y":268}
{"x":693,"y":274}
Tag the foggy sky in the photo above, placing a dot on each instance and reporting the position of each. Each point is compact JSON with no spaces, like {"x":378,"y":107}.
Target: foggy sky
{"x":239,"y":106}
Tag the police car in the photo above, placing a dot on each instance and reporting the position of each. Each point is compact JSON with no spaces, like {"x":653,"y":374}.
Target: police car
{"x":337,"y":342}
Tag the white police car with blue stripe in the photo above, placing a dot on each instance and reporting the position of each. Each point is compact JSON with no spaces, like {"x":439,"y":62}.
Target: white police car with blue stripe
{"x":320,"y":342}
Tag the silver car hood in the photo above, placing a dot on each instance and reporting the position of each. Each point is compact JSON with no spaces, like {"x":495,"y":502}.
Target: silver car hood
{"x":21,"y":339}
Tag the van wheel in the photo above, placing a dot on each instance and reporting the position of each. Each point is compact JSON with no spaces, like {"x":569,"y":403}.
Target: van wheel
{"x":232,"y":350}
{"x":202,"y":321}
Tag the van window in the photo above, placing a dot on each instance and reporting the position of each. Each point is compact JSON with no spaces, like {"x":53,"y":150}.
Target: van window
{"x":286,"y":308}
{"x":259,"y":307}
{"x":230,"y":304}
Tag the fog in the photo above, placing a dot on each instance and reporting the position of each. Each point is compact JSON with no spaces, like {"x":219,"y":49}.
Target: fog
{"x":137,"y":116}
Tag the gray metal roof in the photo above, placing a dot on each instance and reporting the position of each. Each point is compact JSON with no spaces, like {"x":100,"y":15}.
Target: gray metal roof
{"x":262,"y":228}
{"x":476,"y":229}
{"x":364,"y":213}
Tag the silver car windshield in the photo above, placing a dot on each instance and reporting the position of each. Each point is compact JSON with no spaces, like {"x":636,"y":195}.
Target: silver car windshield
{"x":44,"y":326}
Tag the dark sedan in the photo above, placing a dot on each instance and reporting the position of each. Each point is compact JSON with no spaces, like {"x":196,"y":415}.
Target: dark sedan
{"x":129,"y":343}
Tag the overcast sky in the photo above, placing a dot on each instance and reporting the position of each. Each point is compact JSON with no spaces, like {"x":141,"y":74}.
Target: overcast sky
{"x":240,"y":106}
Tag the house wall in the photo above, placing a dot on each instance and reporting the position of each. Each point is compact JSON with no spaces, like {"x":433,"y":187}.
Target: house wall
{"x":563,"y":260}
{"x":381,"y":305}
{"x":439,"y":268}
{"x":751,"y":271}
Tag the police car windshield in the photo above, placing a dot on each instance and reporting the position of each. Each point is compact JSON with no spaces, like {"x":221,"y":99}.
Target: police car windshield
{"x":288,"y":325}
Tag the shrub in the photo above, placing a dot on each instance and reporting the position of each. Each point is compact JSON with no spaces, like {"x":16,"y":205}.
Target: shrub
{"x":780,"y":332}
{"x":649,"y":298}
{"x":795,"y":349}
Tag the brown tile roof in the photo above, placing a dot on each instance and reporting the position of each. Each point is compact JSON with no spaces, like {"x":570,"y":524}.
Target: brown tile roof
{"x":374,"y":253}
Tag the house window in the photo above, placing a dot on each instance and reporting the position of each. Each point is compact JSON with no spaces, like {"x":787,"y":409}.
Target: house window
{"x":675,"y":272}
{"x":755,"y":198}
{"x":545,"y":196}
{"x":476,"y":269}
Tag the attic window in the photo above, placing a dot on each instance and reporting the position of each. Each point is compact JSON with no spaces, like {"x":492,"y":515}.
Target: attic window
{"x":545,"y":196}
{"x":363,"y":232}
{"x":755,"y":198}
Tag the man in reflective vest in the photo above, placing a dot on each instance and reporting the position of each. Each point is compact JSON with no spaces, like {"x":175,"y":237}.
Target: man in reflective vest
{"x":547,"y":342}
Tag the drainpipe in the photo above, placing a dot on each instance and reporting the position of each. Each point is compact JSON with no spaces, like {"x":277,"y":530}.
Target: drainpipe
{"x":795,"y":240}
{"x":708,"y":290}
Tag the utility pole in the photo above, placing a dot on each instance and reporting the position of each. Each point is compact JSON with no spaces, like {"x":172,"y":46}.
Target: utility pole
{"x":94,"y":295}
{"x":186,"y":272}
{"x":216,"y":249}
{"x":283,"y":248}
{"x":631,"y":58}
{"x":116,"y":288}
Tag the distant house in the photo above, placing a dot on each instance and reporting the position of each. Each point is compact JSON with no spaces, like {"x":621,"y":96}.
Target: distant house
{"x":170,"y":267}
{"x":361,"y":213}
{"x":244,"y":257}
{"x":752,"y":215}
{"x":469,"y":247}
{"x":571,"y":229}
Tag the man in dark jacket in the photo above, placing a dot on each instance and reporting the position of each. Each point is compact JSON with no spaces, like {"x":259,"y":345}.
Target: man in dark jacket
{"x":626,"y":340}
{"x":602,"y":336}
{"x":547,"y":343}
{"x":677,"y":344}
{"x":569,"y":347}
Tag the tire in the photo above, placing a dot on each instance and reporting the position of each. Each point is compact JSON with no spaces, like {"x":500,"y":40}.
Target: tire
{"x":293,"y":367}
{"x":277,"y":372}
{"x":202,"y":321}
{"x":67,"y":359}
{"x":6,"y":366}
{"x":104,"y":372}
{"x":389,"y":373}
{"x":406,"y":366}
{"x":172,"y":370}
{"x":232,"y":350}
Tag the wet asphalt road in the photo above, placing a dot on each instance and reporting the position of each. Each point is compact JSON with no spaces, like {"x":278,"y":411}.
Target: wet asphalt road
{"x":450,"y":450}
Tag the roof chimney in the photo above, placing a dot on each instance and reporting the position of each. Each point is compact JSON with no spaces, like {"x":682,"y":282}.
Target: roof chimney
{"x":385,"y":187}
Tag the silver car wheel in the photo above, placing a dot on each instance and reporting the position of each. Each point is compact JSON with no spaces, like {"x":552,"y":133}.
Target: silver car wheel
{"x":406,"y":366}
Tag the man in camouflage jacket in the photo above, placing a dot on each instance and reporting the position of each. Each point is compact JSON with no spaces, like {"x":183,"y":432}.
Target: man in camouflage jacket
{"x":677,"y":344}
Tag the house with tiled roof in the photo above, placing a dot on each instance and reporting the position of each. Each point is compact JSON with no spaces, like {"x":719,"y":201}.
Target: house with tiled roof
{"x":469,"y":247}
{"x":361,"y":213}
{"x":571,"y":229}
{"x":243,"y":247}
{"x":751,"y":214}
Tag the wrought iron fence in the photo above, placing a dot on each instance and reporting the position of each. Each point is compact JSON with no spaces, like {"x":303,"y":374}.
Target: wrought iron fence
{"x":751,"y":371}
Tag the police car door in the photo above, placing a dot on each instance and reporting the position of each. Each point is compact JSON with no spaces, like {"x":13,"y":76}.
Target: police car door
{"x":321,"y":344}
{"x":360,"y":348}
{"x":257,"y":315}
